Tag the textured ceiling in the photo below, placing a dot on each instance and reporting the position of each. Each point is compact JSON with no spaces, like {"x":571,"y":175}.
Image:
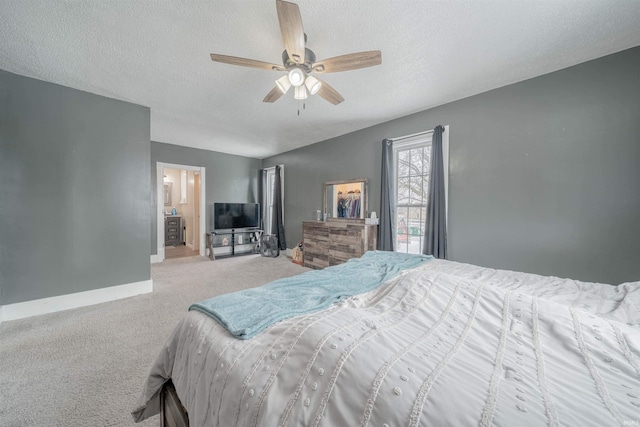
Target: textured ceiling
{"x":156,"y":53}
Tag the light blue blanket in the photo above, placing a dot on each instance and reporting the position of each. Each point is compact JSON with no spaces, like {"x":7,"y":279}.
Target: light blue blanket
{"x":246,"y":313}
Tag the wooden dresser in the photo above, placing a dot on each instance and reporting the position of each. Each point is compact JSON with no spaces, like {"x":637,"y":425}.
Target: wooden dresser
{"x":334,"y":242}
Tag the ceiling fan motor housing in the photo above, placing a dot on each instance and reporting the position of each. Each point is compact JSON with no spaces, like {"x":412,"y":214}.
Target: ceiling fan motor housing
{"x":309,"y":59}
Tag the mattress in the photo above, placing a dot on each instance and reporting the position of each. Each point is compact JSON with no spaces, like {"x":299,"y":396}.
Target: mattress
{"x":442,"y":344}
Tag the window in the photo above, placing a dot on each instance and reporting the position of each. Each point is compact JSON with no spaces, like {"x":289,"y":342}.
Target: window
{"x":412,"y":184}
{"x":269,"y":182}
{"x":412,"y":162}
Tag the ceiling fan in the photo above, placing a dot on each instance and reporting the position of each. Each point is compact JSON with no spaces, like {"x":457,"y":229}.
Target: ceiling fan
{"x":300,"y":62}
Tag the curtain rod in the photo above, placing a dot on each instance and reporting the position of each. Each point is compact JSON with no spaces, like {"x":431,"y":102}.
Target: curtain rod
{"x":399,"y":138}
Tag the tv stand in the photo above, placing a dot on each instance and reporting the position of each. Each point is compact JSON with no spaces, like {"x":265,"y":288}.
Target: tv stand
{"x":229,"y":243}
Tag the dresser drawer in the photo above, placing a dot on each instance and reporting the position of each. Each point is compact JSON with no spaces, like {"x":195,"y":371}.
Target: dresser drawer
{"x":317,"y":261}
{"x":332,"y":242}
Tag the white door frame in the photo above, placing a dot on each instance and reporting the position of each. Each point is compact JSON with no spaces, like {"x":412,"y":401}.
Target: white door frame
{"x":160,"y":206}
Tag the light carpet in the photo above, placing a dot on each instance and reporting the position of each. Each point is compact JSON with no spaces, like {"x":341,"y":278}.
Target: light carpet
{"x":87,"y":366}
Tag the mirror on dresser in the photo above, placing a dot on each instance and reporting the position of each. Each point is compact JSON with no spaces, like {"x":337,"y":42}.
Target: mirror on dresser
{"x":346,"y":200}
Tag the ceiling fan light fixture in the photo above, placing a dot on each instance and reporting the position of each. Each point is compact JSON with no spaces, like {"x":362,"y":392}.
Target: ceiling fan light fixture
{"x":313,"y":85}
{"x":296,"y":77}
{"x":283,"y":83}
{"x":300,"y":93}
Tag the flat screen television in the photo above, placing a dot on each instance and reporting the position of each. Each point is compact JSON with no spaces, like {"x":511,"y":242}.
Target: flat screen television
{"x":228,"y":216}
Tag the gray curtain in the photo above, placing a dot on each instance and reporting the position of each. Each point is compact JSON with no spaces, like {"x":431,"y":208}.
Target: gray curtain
{"x":277,"y":224}
{"x":435,"y":242}
{"x":387,"y":226}
{"x":262,"y":190}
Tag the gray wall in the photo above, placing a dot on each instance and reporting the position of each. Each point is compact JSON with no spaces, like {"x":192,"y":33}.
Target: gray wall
{"x":74,"y":190}
{"x":229,"y":178}
{"x":544,"y":174}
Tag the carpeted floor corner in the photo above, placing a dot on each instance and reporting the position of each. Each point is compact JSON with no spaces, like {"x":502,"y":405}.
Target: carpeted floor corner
{"x":87,"y":366}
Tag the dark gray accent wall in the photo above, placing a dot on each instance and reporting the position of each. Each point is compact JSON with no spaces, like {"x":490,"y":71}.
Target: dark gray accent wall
{"x":74,"y":190}
{"x":544,"y":174}
{"x":228,"y":178}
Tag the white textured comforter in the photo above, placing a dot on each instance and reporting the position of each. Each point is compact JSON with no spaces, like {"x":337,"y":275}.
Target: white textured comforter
{"x":443,"y":344}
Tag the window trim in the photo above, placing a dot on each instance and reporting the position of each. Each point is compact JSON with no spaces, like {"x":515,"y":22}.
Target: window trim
{"x":418,"y":140}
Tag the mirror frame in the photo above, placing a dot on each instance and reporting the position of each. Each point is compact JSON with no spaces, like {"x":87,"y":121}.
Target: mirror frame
{"x":364,"y":211}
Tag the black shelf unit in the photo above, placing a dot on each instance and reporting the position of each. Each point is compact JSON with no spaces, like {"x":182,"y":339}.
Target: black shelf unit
{"x":250,"y":238}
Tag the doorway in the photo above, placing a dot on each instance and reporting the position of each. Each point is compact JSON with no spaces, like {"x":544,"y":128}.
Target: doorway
{"x":180,"y":211}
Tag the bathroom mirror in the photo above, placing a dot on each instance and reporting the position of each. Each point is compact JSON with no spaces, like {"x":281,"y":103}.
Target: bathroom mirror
{"x":167,"y":193}
{"x":346,"y":200}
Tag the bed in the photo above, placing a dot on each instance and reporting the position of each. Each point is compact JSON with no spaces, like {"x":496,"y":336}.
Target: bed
{"x":440,"y":343}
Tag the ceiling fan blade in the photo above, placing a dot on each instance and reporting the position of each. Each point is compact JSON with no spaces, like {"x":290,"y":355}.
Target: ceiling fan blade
{"x":244,"y":62}
{"x":291,"y":29}
{"x":352,"y":61}
{"x":329,"y":93}
{"x":273,"y":96}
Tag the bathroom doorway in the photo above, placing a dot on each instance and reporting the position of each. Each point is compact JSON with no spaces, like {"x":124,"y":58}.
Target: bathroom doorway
{"x":180,"y":208}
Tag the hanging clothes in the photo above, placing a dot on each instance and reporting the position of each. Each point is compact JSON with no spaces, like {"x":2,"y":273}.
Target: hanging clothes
{"x":341,"y":205}
{"x":349,"y":205}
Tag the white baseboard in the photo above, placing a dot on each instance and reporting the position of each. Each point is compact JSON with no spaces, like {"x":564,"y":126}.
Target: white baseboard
{"x":158,"y":257}
{"x":37,"y":307}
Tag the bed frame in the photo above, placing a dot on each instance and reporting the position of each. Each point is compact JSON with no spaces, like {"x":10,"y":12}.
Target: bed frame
{"x":172,"y":413}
